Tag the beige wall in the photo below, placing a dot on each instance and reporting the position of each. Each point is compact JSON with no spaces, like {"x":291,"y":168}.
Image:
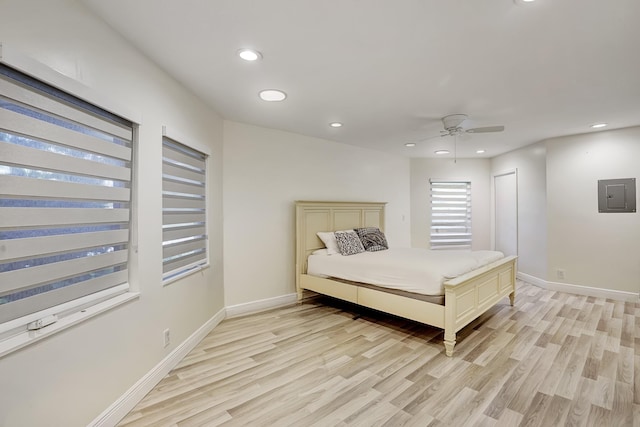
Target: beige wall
{"x":475,"y":170}
{"x":71,"y":377}
{"x":595,"y":249}
{"x":265,"y":171}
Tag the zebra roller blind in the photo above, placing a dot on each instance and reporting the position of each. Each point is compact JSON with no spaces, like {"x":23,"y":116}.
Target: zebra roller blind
{"x":450,"y":215}
{"x":184,"y":227}
{"x":65,"y":197}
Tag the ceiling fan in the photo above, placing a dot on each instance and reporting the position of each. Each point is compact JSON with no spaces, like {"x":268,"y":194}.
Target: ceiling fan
{"x":452,"y":126}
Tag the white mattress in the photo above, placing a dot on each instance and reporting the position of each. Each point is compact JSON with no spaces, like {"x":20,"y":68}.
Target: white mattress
{"x":409,"y":269}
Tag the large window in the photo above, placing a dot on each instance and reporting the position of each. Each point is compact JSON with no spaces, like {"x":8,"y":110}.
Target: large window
{"x":450,"y":215}
{"x":184,"y":209}
{"x":65,"y":198}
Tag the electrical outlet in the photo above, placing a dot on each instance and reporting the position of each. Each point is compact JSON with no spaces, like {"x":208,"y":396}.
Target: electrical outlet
{"x":166,"y":335}
{"x":560,"y":273}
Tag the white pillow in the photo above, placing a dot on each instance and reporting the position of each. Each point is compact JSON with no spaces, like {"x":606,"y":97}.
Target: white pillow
{"x":329,"y":240}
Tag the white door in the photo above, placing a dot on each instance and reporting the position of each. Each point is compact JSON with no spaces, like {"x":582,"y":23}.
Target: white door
{"x":506,"y":212}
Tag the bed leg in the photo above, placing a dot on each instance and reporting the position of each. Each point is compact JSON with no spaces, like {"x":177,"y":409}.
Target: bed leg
{"x":449,"y":343}
{"x":512,"y":298}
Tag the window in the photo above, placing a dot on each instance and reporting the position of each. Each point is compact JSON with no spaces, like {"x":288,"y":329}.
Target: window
{"x":184,"y":210}
{"x":65,"y":198}
{"x":450,"y":215}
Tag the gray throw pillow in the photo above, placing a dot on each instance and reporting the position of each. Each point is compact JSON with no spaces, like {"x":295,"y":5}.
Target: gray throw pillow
{"x":372,"y":239}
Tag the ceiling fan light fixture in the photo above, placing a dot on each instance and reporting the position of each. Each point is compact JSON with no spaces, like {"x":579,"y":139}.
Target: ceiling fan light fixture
{"x":272,"y":95}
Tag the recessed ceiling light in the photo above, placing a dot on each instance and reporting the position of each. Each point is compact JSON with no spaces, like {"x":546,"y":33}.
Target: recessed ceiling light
{"x":335,"y":125}
{"x":249,"y":54}
{"x":598,"y":125}
{"x":442,"y":152}
{"x":410,"y":144}
{"x":523,"y":1}
{"x":480,"y":151}
{"x":272,"y":95}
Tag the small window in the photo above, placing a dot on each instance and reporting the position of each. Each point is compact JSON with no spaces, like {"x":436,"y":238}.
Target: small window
{"x":65,"y":198}
{"x":184,"y":209}
{"x":450,"y":215}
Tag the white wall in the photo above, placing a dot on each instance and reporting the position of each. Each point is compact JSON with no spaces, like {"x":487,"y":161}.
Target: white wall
{"x":475,"y":170}
{"x":595,"y":249}
{"x":559,"y":226}
{"x":265,"y":171}
{"x":530,"y":163}
{"x":70,"y":378}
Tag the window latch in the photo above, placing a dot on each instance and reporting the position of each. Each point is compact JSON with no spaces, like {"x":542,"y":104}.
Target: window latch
{"x":41,"y":323}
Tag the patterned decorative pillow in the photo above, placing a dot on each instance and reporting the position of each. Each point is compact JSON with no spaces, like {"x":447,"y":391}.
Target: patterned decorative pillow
{"x":372,"y":239}
{"x":348,"y":242}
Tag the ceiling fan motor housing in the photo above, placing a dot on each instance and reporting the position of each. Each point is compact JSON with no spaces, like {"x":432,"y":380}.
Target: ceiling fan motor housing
{"x":453,"y":121}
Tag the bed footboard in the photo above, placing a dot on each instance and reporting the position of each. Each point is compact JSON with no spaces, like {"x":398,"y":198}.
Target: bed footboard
{"x":470,"y":295}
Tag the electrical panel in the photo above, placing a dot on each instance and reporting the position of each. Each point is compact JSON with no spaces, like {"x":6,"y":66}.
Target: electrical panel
{"x":617,"y":195}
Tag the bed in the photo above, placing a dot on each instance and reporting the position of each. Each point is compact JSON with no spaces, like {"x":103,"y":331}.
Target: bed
{"x":465,"y":297}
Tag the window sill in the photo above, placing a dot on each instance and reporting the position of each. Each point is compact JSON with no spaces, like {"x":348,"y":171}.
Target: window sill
{"x":26,"y":338}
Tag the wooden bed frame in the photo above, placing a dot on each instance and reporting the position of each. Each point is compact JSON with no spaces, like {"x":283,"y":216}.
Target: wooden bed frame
{"x":466,"y":296}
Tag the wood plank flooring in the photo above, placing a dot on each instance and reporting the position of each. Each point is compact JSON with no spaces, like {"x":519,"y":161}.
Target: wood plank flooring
{"x":554,"y":359}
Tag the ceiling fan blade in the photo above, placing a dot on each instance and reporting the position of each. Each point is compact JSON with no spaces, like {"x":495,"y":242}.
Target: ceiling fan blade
{"x":486,"y":129}
{"x":431,"y":137}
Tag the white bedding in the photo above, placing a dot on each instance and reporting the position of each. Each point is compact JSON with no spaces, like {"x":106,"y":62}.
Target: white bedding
{"x":409,"y":269}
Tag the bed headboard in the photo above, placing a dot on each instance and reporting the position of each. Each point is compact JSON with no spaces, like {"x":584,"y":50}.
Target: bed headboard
{"x":312,"y":217}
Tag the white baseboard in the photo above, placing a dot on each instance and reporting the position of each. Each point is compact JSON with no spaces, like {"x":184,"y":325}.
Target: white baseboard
{"x":121,"y":407}
{"x":580,"y":290}
{"x":261,"y":305}
{"x":532,"y":280}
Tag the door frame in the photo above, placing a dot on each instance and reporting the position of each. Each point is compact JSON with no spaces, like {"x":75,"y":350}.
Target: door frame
{"x":494,"y":227}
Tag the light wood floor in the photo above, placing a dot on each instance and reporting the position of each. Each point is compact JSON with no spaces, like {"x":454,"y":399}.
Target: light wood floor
{"x":554,"y":359}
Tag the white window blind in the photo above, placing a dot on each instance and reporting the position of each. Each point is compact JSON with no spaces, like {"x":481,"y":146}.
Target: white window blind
{"x":65,"y":197}
{"x":450,"y":215}
{"x":184,"y":226}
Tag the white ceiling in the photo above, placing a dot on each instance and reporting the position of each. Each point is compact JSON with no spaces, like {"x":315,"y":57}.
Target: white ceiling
{"x":389,"y":70}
